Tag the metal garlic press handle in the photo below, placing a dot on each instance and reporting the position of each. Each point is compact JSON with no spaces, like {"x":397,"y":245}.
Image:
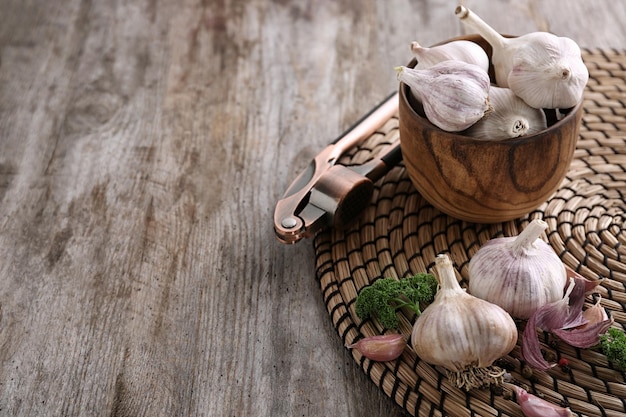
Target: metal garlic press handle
{"x":328,"y":194}
{"x":344,"y":192}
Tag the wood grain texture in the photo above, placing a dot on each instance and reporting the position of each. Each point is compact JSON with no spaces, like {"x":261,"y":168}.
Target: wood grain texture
{"x":143,"y":145}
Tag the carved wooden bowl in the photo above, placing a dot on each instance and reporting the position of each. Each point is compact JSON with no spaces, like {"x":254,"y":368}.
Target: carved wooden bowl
{"x":485,"y":181}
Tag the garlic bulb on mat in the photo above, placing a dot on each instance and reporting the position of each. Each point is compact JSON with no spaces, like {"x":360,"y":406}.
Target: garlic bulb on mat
{"x":460,"y":50}
{"x":544,"y":70}
{"x":462,"y":333}
{"x":511,"y":117}
{"x":455,"y":94}
{"x":519,"y":273}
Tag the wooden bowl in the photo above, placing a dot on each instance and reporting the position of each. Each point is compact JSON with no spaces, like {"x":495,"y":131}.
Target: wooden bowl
{"x":485,"y":181}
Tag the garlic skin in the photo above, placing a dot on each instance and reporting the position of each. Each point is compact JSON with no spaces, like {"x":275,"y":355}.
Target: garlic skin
{"x":380,"y":348}
{"x":519,"y":273}
{"x":460,"y":50}
{"x":455,"y":94}
{"x":462,"y":333}
{"x":544,"y":70}
{"x":511,"y":117}
{"x":584,"y":336}
{"x":551,"y":316}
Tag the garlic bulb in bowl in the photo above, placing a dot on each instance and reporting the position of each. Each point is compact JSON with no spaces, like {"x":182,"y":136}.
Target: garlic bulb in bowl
{"x":549,"y":80}
{"x":462,"y":333}
{"x":455,"y":94}
{"x":544,"y":70}
{"x":519,"y":273}
{"x":458,"y":50}
{"x":511,"y":117}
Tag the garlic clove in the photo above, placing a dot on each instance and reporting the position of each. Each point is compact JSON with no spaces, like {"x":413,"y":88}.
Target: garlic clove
{"x":595,"y":314}
{"x":533,"y":406}
{"x":544,"y":70}
{"x":511,"y":117}
{"x":460,"y":50}
{"x":455,"y":94}
{"x":380,"y":348}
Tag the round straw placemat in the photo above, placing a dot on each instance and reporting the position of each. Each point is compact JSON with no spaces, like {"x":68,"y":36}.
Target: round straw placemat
{"x":400,"y":234}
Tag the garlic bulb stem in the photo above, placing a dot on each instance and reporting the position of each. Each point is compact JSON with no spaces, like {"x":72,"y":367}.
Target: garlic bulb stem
{"x":486,"y":31}
{"x":447,"y":279}
{"x":526,"y":239}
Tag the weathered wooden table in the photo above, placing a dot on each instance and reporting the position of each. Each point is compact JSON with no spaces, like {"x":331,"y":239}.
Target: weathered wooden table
{"x":143,"y":146}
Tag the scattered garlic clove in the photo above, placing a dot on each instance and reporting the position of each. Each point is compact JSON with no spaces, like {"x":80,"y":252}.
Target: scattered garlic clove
{"x":544,"y":70}
{"x":511,"y":117}
{"x":460,"y":50}
{"x":380,"y":348}
{"x":455,"y":94}
{"x":595,"y":314}
{"x":518,"y":273}
{"x":533,"y":406}
{"x":462,"y":333}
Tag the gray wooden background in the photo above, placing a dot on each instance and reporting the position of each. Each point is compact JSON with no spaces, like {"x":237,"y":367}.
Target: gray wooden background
{"x":143,"y":146}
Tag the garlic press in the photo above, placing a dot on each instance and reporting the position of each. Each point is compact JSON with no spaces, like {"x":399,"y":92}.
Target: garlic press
{"x":330,"y":194}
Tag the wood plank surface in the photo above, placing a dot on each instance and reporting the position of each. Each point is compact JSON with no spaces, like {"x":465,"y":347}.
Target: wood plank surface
{"x":143,"y":146}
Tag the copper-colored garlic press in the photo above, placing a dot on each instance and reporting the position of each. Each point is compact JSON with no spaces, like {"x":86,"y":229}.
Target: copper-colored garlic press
{"x":329,"y":194}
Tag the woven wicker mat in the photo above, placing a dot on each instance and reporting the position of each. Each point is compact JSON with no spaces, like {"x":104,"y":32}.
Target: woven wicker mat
{"x":400,"y":234}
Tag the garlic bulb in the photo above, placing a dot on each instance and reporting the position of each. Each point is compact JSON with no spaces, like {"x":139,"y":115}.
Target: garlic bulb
{"x":544,"y":70}
{"x":511,"y":117}
{"x":519,"y":273}
{"x":462,"y":333}
{"x":460,"y":50}
{"x":455,"y":94}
